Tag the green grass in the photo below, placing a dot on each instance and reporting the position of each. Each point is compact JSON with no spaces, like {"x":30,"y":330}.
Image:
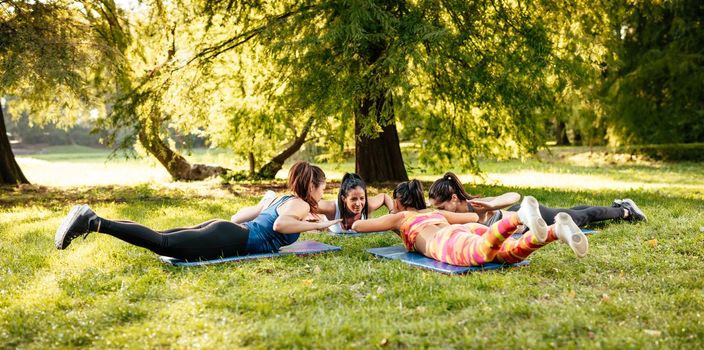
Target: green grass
{"x":629,"y":292}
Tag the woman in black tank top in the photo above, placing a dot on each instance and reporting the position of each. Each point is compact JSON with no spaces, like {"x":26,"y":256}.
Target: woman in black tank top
{"x":448,"y":193}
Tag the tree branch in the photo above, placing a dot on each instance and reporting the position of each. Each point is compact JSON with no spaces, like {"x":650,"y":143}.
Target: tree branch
{"x":242,"y":38}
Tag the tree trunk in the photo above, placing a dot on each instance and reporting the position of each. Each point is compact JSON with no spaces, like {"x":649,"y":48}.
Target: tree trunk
{"x":177,"y":166}
{"x":269,"y":170}
{"x":378,"y":158}
{"x":252,"y":164}
{"x":561,"y":134}
{"x":10,"y":172}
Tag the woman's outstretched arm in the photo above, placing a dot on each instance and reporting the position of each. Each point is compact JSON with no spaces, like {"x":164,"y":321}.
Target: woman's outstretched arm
{"x":292,"y":216}
{"x":249,"y":213}
{"x":381,"y":199}
{"x":384,"y":223}
{"x":492,"y":203}
{"x":327,"y":208}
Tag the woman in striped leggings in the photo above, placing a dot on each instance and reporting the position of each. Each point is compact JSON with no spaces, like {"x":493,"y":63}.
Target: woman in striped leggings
{"x":456,"y":238}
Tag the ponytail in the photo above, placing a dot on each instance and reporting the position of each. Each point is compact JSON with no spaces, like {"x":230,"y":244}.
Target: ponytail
{"x":300,"y":177}
{"x":442,"y":189}
{"x":410,"y":194}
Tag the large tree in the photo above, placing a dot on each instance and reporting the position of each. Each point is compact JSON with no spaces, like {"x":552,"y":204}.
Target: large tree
{"x":162,"y":94}
{"x":10,"y":172}
{"x":147,"y":43}
{"x":466,"y":78}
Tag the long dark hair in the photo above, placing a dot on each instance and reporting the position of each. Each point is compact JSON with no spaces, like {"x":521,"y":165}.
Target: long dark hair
{"x":300,"y":176}
{"x":442,"y":189}
{"x":410,"y":194}
{"x":349,"y":182}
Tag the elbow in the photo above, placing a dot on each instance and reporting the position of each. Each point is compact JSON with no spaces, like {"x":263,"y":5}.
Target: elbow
{"x":278,"y":226}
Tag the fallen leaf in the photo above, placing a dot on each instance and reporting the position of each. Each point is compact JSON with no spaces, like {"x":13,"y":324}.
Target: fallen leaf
{"x":380,"y":290}
{"x":316,"y":270}
{"x":308,"y":282}
{"x":591,"y":335}
{"x":653,"y":242}
{"x":383,"y":342}
{"x":605,"y":297}
{"x":572,"y":294}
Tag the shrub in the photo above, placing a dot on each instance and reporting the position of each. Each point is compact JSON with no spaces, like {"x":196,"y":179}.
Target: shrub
{"x":668,"y":152}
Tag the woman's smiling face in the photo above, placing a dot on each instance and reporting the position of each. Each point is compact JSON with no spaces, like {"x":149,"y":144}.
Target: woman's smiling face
{"x":355,"y":200}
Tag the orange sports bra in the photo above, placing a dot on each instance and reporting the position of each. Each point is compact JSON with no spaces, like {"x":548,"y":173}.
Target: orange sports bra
{"x":414,"y":222}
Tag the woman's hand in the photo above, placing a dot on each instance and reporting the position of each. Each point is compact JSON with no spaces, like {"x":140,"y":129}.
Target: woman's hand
{"x":325,"y":224}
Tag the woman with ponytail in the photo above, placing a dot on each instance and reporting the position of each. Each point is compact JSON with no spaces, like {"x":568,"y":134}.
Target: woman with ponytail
{"x":456,"y":238}
{"x":352,"y":203}
{"x":448,"y":193}
{"x":263,"y":228}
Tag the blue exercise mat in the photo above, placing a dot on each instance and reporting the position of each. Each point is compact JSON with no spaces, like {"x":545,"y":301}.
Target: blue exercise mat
{"x":586,"y":231}
{"x":298,"y":248}
{"x":398,"y":252}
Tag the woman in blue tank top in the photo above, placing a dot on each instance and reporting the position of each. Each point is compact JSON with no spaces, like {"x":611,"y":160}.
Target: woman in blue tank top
{"x":262,"y":228}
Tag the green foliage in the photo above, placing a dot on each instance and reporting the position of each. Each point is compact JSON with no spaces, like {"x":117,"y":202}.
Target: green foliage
{"x":49,"y":54}
{"x":461,"y":79}
{"x":469,"y":78}
{"x":655,"y":83}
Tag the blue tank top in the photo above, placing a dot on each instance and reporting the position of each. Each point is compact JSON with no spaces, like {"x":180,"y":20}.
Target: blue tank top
{"x":262,"y":237}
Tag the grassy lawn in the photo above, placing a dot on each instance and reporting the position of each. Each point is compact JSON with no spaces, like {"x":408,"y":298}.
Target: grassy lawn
{"x":641,"y":286}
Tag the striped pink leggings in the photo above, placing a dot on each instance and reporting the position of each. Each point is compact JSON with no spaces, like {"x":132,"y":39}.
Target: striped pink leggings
{"x":475,"y":244}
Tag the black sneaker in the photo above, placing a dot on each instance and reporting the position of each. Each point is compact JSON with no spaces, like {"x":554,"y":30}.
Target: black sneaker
{"x":634,"y":213}
{"x":76,"y":223}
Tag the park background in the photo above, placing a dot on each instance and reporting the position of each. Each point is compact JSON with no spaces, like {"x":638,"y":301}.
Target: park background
{"x":172,"y":113}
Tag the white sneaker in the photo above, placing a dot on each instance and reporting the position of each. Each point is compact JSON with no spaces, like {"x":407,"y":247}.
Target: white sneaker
{"x":567,"y":231}
{"x":530,"y":216}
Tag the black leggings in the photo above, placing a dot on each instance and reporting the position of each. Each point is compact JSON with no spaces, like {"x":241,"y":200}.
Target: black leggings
{"x":582,"y":215}
{"x":209,"y":240}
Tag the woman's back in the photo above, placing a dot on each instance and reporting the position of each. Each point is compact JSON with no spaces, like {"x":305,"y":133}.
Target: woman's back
{"x":419,"y":225}
{"x":261,"y":229}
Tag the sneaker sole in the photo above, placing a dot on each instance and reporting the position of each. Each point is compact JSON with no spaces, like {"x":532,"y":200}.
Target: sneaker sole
{"x":70,"y":219}
{"x":577,"y":240}
{"x":534,"y":221}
